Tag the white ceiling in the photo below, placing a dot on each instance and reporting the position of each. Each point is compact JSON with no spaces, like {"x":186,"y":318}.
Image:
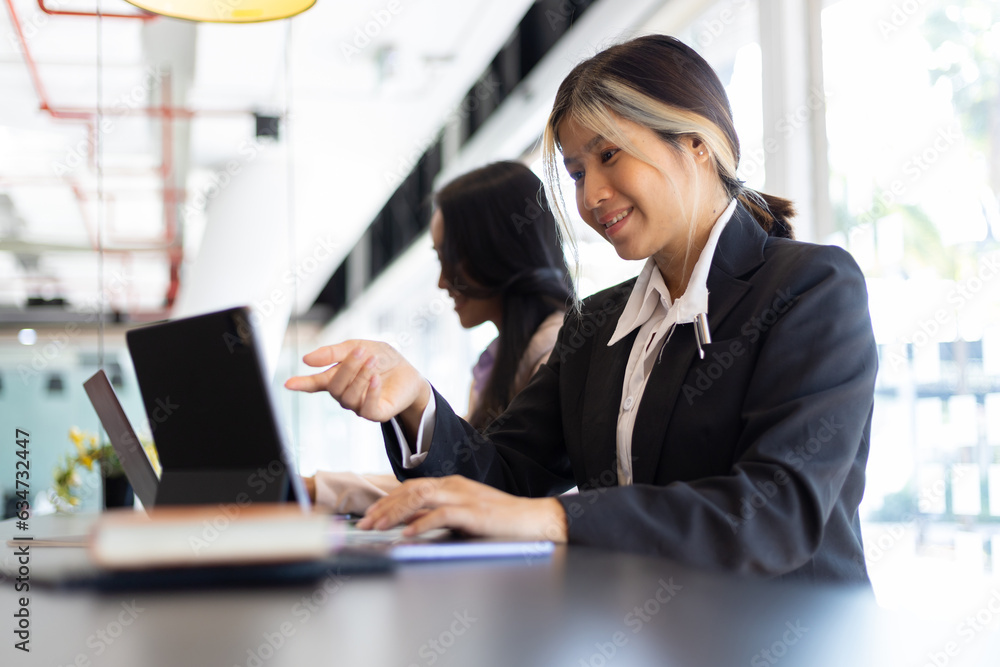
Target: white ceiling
{"x":354,"y":120}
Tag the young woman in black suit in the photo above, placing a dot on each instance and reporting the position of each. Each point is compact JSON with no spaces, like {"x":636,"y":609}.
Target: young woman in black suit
{"x":715,"y":410}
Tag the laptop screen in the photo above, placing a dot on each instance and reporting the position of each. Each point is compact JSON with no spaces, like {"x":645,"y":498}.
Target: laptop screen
{"x":206,"y":396}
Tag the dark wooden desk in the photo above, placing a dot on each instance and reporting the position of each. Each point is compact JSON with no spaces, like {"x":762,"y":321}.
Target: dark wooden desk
{"x":580,"y":608}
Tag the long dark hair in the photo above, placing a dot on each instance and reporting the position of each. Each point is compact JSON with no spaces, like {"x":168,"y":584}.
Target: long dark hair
{"x":660,"y":83}
{"x":500,"y":234}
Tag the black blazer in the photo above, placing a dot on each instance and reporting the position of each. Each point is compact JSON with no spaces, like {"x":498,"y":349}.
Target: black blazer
{"x":749,"y":460}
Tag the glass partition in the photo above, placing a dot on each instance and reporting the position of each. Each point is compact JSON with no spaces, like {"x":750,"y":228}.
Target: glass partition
{"x":913,"y":100}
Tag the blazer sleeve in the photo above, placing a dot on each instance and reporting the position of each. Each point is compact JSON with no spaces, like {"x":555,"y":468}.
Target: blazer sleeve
{"x":521,"y":452}
{"x":798,"y":473}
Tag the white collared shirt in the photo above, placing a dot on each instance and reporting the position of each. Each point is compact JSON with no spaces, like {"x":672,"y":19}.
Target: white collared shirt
{"x":650,"y":309}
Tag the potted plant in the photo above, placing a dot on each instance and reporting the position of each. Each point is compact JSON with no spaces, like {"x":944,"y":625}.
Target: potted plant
{"x":116,"y":490}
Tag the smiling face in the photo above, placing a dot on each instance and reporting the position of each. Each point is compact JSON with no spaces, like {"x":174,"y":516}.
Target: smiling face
{"x":642,"y":210}
{"x":471,"y":312}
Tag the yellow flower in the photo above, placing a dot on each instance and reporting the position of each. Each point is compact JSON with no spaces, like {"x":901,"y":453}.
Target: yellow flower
{"x":88,"y":453}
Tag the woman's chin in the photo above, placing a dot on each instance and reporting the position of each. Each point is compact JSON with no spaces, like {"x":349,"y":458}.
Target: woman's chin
{"x":625,"y":252}
{"x":463,"y":319}
{"x":469,"y":320}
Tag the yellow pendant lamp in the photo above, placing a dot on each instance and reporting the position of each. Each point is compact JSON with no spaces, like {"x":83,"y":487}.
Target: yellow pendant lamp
{"x":225,"y":11}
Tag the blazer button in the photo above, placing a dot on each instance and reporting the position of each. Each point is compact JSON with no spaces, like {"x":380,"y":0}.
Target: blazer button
{"x":628,"y":403}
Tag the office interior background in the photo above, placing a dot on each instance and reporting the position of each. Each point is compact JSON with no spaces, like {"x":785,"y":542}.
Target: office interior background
{"x":152,"y":168}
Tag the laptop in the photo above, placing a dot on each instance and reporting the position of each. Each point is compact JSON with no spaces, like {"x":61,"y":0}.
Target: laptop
{"x":138,"y":469}
{"x":219,"y":438}
{"x":136,"y":464}
{"x":212,"y":415}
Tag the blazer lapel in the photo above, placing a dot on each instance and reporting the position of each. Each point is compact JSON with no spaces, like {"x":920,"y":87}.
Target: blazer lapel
{"x":602,"y":398}
{"x":740,"y":250}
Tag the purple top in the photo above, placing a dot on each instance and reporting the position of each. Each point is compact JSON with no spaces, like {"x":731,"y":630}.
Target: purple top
{"x":484,"y":367}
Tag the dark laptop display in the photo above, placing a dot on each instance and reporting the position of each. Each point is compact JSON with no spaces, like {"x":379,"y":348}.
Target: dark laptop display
{"x":211,"y":412}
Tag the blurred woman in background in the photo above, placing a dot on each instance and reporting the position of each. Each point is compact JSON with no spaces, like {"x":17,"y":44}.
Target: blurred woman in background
{"x":501,"y":262}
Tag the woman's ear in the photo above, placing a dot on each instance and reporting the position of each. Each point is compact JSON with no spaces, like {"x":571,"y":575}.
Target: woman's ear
{"x":694,"y":145}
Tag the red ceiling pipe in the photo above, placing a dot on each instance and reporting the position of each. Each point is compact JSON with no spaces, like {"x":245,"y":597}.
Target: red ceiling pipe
{"x":36,"y":80}
{"x":82,"y":196}
{"x":176,"y":194}
{"x":70,"y":113}
{"x":89,"y":116}
{"x":179,"y":193}
{"x":174,"y":113}
{"x":164,"y":111}
{"x":145,"y":16}
{"x":174,"y":250}
{"x":82,"y":203}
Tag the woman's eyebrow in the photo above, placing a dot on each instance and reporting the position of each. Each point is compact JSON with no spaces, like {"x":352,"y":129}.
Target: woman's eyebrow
{"x":586,"y":149}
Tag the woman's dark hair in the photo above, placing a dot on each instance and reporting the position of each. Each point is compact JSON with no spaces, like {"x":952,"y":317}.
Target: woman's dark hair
{"x":500,"y":234}
{"x":659,"y":82}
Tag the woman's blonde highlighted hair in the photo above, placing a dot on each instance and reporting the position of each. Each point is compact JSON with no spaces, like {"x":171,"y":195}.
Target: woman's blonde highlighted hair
{"x":659,"y":83}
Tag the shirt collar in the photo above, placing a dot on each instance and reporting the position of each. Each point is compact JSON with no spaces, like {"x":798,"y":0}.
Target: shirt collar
{"x":649,"y":288}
